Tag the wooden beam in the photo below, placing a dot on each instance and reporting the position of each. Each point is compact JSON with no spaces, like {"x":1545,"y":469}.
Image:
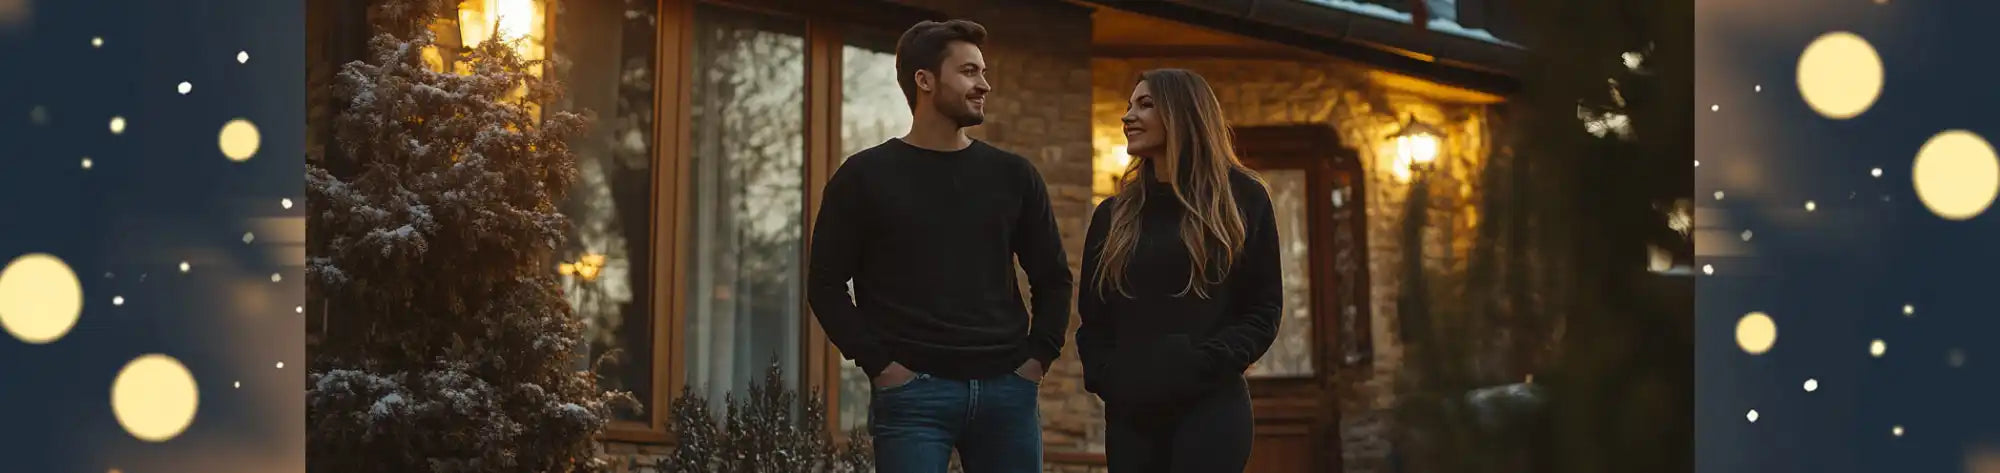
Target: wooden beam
{"x":819,"y":367}
{"x":1148,"y":51}
{"x":672,"y":99}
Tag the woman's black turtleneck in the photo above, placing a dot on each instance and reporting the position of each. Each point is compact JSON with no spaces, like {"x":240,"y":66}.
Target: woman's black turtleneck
{"x":1160,"y":347}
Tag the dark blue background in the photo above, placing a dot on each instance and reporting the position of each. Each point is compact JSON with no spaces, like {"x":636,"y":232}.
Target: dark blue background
{"x":158,"y":193}
{"x":1833,"y":279}
{"x":1836,"y":278}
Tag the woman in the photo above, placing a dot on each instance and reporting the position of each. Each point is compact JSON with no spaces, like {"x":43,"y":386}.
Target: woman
{"x":1180,"y":287}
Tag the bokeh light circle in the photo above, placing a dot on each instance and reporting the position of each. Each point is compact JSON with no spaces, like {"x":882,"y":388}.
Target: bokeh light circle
{"x":1957,"y":175}
{"x":1756,"y":333}
{"x":40,"y":298}
{"x":1840,"y":75}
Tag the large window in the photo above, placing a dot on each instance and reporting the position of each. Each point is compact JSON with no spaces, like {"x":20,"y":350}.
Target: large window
{"x":744,"y":305}
{"x":607,"y":272}
{"x":872,"y":110}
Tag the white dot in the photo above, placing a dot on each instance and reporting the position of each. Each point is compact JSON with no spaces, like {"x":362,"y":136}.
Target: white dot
{"x":1896,"y":431}
{"x":86,"y":162}
{"x":117,"y":125}
{"x":1697,"y":163}
{"x":1909,"y":309}
{"x":1707,"y":269}
{"x":286,"y":203}
{"x":1747,"y":234}
{"x":1715,"y":108}
{"x":281,"y":365}
{"x":1877,"y":172}
{"x":249,"y":237}
{"x":1757,"y":88}
{"x":184,"y":88}
{"x":1718,"y":195}
{"x":185,"y":267}
{"x":1877,"y":348}
{"x":1812,"y":385}
{"x":275,"y":277}
{"x":117,"y":300}
{"x":1752,"y":416}
{"x":299,"y":309}
{"x":97,"y":41}
{"x":1810,"y":206}
{"x":242,"y":57}
{"x":237,"y":385}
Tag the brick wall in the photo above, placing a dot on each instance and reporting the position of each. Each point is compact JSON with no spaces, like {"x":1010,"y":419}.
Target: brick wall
{"x":1341,"y":95}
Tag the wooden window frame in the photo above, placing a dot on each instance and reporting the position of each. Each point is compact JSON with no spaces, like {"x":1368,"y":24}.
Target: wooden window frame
{"x":672,"y":166}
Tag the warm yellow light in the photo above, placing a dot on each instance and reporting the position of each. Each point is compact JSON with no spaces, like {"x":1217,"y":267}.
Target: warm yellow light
{"x":511,"y":20}
{"x":1417,"y":150}
{"x":1108,"y":166}
{"x":1417,"y":146}
{"x":514,"y":18}
{"x":238,"y":140}
{"x":40,"y":298}
{"x":1756,"y":333}
{"x":154,"y":398}
{"x":1840,"y":75}
{"x":1957,"y":174}
{"x":587,"y":266}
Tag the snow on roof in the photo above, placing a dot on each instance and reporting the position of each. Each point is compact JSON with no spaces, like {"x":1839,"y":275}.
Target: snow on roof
{"x":1445,"y":22}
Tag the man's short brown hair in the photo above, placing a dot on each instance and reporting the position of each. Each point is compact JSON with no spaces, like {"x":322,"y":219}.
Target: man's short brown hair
{"x":923,"y":47}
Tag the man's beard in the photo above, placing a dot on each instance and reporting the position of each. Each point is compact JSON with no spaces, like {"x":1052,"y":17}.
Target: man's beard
{"x":960,"y":112}
{"x":965,"y":116}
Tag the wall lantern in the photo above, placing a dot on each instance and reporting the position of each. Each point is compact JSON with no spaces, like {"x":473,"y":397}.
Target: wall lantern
{"x":1417,"y":146}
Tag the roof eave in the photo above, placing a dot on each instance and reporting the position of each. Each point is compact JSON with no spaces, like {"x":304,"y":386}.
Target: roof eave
{"x":1397,"y":46}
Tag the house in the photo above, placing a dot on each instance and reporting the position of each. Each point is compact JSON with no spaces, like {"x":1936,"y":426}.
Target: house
{"x":718,"y":121}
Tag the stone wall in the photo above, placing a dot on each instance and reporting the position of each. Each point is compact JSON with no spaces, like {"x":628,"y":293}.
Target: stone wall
{"x":1341,"y":95}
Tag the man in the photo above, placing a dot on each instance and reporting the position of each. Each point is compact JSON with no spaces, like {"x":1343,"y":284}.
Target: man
{"x":927,"y":226}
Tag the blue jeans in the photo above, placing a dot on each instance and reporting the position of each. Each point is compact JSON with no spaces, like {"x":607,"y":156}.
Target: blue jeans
{"x":994,"y":423}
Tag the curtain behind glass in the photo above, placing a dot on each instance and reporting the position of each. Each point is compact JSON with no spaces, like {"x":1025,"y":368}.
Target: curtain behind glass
{"x":744,"y":289}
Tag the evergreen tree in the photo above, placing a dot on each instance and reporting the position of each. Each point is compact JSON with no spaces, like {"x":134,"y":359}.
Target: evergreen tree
{"x":1594,"y":169}
{"x":446,"y":344}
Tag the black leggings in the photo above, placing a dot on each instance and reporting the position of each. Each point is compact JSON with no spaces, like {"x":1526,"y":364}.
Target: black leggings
{"x":1210,"y":435}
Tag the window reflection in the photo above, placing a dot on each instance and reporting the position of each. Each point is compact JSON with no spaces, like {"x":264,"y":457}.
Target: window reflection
{"x":744,"y":289}
{"x":605,"y":271}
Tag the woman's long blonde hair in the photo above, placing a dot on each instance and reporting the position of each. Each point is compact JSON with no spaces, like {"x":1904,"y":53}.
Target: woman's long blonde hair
{"x":1196,"y":164}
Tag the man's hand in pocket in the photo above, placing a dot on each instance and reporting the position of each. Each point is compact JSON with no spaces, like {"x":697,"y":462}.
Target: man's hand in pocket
{"x":1031,"y":369}
{"x":894,"y":375}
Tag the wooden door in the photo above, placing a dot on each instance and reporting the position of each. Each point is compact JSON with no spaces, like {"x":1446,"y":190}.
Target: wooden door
{"x":1315,"y":187}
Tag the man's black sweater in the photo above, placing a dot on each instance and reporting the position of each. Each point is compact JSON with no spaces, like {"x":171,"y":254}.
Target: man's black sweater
{"x":929,"y":239}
